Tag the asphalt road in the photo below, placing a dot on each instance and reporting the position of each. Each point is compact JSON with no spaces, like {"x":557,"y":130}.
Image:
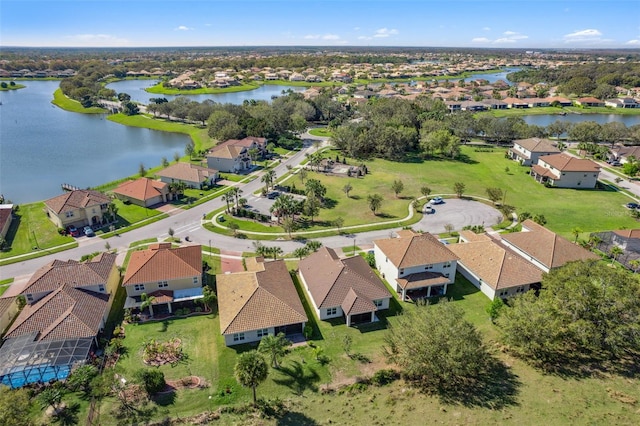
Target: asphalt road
{"x":189,"y":223}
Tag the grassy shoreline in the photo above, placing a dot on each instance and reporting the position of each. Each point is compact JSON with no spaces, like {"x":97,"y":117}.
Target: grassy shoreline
{"x":161,"y":90}
{"x":62,"y":101}
{"x":14,"y":87}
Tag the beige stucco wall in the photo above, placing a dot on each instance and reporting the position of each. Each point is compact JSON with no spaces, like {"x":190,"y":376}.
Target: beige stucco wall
{"x":177,"y":284}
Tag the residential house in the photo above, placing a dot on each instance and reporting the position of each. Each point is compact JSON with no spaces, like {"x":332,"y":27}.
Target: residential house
{"x":258,"y":302}
{"x":417,"y":265}
{"x":6,"y":216}
{"x":494,"y":269}
{"x":563,"y":102}
{"x":622,"y":153}
{"x":77,"y":208}
{"x":627,"y":239}
{"x":143,"y":192}
{"x":67,"y":308}
{"x":191,"y":175}
{"x":494,"y":104}
{"x":589,"y":101}
{"x":543,"y":247}
{"x":527,"y":151}
{"x":343,"y":287}
{"x":565,"y":171}
{"x":516,"y":103}
{"x":234,"y":155}
{"x":166,"y":275}
{"x":622,"y":103}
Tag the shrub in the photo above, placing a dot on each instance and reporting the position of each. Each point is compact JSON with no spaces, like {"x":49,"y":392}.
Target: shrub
{"x":384,"y":377}
{"x":151,"y":379}
{"x":308,"y":331}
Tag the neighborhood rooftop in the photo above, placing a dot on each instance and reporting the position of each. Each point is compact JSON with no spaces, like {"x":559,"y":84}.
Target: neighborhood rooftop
{"x":160,"y":262}
{"x":411,"y":249}
{"x":81,"y":198}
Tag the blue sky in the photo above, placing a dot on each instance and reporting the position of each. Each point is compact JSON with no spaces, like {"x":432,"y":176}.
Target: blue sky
{"x":452,"y":23}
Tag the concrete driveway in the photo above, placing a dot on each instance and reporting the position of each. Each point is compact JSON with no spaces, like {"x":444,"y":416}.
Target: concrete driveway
{"x":459,"y":213}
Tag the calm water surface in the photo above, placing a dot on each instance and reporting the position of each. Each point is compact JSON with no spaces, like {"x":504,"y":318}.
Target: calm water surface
{"x":43,"y":146}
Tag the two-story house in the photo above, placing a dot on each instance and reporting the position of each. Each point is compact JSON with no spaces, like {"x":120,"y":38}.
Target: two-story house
{"x":143,"y":192}
{"x":527,"y":151}
{"x":77,"y":208}
{"x":565,"y":171}
{"x":258,"y":302}
{"x":343,"y":287}
{"x":235,"y":155}
{"x":417,"y":265}
{"x":191,"y":175}
{"x":165,"y":275}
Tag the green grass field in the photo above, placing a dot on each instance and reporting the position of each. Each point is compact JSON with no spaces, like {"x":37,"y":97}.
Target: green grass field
{"x":321,"y":131}
{"x":10,"y":87}
{"x":591,"y":210}
{"x":60,"y":100}
{"x":160,"y":89}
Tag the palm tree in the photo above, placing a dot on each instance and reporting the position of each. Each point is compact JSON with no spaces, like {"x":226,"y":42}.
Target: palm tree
{"x":614,"y":252}
{"x":235,"y":191}
{"x":375,"y":202}
{"x":227,"y":198}
{"x":289,"y":225}
{"x":301,"y":252}
{"x":302,"y":173}
{"x":147,"y":302}
{"x":347,"y":189}
{"x":635,"y":265}
{"x":251,"y":370}
{"x":275,"y":347}
{"x":576,"y":233}
{"x":267,"y":178}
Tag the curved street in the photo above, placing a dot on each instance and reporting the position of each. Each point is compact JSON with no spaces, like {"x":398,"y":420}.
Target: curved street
{"x":456,"y":212}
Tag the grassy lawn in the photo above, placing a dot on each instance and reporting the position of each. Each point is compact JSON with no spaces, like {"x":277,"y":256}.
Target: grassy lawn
{"x":160,"y":89}
{"x":143,"y":242}
{"x":60,"y":100}
{"x":14,"y":87}
{"x":5,"y":284}
{"x":321,"y":131}
{"x":32,"y":231}
{"x":131,"y":213}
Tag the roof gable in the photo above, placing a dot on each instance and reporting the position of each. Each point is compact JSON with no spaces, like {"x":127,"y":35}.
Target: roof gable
{"x":537,"y":145}
{"x":78,"y":199}
{"x":141,"y":189}
{"x":415,"y":250}
{"x":163,"y":263}
{"x":567,"y":163}
{"x":187,"y":171}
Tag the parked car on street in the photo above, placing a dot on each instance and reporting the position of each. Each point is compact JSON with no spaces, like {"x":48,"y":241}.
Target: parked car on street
{"x":436,"y":200}
{"x":633,"y":205}
{"x":88,"y":231}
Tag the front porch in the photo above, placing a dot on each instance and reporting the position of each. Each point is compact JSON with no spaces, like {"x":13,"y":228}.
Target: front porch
{"x":542,"y":175}
{"x":163,"y":303}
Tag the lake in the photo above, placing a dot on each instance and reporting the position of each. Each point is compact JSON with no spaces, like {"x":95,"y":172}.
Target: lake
{"x":43,"y":146}
{"x":545,"y":120}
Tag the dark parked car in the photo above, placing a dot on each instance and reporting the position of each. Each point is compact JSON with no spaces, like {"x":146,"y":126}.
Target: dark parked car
{"x":633,"y":205}
{"x":273,"y":195}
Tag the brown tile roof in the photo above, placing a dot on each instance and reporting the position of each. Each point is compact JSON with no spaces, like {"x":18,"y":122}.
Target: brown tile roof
{"x":628,"y":233}
{"x":591,"y":100}
{"x":497,"y":266}
{"x":471,"y":236}
{"x":141,"y":189}
{"x":161,"y":296}
{"x":415,"y":250}
{"x":187,"y":172}
{"x":567,"y":163}
{"x":543,"y":171}
{"x":5,"y":214}
{"x":226,"y":151}
{"x":330,"y":279}
{"x":82,"y":198}
{"x":546,"y":246}
{"x":421,"y":280}
{"x":537,"y":145}
{"x":161,"y":263}
{"x":90,"y":273}
{"x":354,"y":304}
{"x":259,"y":299}
{"x":66,"y":313}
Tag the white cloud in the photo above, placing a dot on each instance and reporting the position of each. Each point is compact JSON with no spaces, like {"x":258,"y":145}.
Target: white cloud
{"x":634,"y":42}
{"x":356,"y":28}
{"x":331,"y":37}
{"x":385,"y":32}
{"x":480,"y":40}
{"x":311,"y":37}
{"x":583,"y":35}
{"x":504,"y":40}
{"x":96,"y":40}
{"x":364,"y":38}
{"x":183,"y":28}
{"x":486,"y":29}
{"x":323,"y":37}
{"x":508,"y":33}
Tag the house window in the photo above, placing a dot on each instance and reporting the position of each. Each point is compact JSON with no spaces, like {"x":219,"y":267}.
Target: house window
{"x":162,"y":284}
{"x":138,"y":287}
{"x":238,"y":337}
{"x":332,"y":311}
{"x":29,"y":297}
{"x":427,"y":267}
{"x":401,"y":271}
{"x":585,"y":175}
{"x":101,"y":288}
{"x":103,"y":206}
{"x":195,"y":280}
{"x":263,"y":332}
{"x":447,"y":264}
{"x":378,"y":303}
{"x":69,"y":214}
{"x":446,"y":275}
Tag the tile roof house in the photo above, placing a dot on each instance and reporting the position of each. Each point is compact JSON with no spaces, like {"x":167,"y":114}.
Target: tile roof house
{"x":168,"y":275}
{"x":622,"y":153}
{"x":527,"y":151}
{"x":417,"y":265}
{"x":543,"y":247}
{"x":590,"y":101}
{"x":260,"y":301}
{"x":77,"y":208}
{"x":143,"y":192}
{"x":233,"y":155}
{"x":622,"y":103}
{"x":191,"y":175}
{"x":99,"y":274}
{"x":6,"y":216}
{"x":565,"y":171}
{"x":493,"y":268}
{"x":340,"y":287}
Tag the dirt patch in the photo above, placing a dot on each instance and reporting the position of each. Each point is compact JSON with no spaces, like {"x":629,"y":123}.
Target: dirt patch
{"x":189,"y":382}
{"x":365,"y":371}
{"x":160,"y":353}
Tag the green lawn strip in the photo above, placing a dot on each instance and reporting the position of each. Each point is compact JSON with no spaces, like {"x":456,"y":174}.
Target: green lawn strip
{"x":31,"y":231}
{"x":143,"y":242}
{"x":10,"y":87}
{"x":62,"y":101}
{"x":133,"y":226}
{"x":40,"y":253}
{"x":160,"y":89}
{"x":321,"y":131}
{"x":622,"y":190}
{"x":6,"y":281}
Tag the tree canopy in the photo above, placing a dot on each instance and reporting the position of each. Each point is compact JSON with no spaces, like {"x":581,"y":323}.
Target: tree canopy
{"x":251,"y":370}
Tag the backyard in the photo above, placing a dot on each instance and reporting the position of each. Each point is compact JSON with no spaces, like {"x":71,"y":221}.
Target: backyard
{"x":530,"y":398}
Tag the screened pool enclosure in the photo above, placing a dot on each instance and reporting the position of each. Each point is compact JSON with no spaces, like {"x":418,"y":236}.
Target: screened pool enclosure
{"x":24,"y":360}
